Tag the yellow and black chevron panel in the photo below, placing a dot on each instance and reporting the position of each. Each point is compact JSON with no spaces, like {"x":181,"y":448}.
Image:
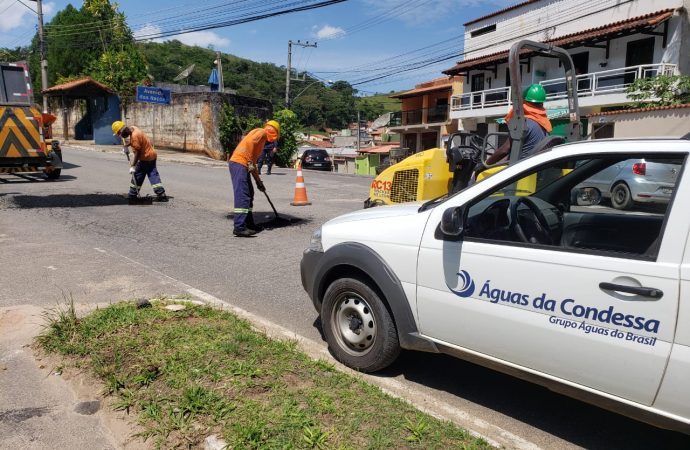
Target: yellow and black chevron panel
{"x":20,"y":132}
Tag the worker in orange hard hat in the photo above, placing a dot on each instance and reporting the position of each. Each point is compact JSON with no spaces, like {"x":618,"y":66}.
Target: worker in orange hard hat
{"x":242,"y":163}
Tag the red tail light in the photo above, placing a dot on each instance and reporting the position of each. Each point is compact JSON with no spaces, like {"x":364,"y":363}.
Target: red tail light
{"x":639,"y":168}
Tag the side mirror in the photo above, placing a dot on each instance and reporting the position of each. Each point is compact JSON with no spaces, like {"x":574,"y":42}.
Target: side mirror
{"x":587,"y":196}
{"x":452,"y":222}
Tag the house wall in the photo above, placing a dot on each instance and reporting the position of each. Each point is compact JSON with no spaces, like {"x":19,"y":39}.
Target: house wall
{"x":190,"y":123}
{"x":667,"y":123}
{"x":677,"y":52}
{"x":552,"y":18}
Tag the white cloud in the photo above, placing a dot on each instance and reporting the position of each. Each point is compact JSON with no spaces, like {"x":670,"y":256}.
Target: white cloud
{"x":17,"y":15}
{"x":146,"y":31}
{"x":328,"y":32}
{"x":203,"y":39}
{"x":200,"y":38}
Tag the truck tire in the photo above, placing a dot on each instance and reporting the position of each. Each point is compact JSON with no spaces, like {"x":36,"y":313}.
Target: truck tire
{"x":621,"y":198}
{"x":359,"y":329}
{"x":54,"y":174}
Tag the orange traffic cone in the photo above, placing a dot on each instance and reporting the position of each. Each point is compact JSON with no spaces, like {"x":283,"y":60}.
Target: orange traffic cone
{"x":300,"y":190}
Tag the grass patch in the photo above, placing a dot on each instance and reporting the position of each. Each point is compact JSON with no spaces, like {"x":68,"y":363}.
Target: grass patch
{"x":200,"y":371}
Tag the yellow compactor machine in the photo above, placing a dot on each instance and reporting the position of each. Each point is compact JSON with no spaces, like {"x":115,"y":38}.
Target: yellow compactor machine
{"x":438,"y":172}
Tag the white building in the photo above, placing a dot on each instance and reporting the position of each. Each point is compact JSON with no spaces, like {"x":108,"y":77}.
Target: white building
{"x":612,"y":43}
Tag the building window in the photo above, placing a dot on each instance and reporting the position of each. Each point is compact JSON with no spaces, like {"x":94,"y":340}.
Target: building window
{"x":484,"y":30}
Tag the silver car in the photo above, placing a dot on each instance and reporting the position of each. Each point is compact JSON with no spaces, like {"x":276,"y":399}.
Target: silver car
{"x":636,"y":181}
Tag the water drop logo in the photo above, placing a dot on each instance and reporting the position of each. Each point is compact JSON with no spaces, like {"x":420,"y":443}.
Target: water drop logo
{"x":465,"y":286}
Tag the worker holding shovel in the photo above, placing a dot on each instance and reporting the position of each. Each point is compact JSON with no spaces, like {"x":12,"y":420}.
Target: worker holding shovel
{"x":243,"y":163}
{"x":143,"y":163}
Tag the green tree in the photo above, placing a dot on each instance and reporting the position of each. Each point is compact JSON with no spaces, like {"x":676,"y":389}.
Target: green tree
{"x":661,"y":90}
{"x":231,"y":127}
{"x":287,"y":145}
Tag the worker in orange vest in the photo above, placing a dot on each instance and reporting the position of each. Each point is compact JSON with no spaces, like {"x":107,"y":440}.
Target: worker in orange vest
{"x":241,"y":164}
{"x":144,"y":162}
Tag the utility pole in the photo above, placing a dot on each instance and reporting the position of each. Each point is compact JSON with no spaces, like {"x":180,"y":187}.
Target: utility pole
{"x":219,"y":65}
{"x":358,"y":133}
{"x":42,"y":53}
{"x":288,"y":75}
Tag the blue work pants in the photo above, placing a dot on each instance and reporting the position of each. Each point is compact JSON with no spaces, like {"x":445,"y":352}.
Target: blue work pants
{"x":243,"y":191}
{"x":142,"y":170}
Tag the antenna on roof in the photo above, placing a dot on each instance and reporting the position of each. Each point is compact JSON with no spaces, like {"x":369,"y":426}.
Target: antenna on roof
{"x":184,"y":74}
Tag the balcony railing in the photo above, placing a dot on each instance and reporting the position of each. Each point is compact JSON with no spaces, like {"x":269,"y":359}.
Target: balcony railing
{"x":589,"y":84}
{"x":436,"y":114}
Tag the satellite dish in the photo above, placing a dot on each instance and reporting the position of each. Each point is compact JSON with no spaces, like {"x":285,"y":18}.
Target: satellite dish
{"x":184,"y":74}
{"x":382,"y":121}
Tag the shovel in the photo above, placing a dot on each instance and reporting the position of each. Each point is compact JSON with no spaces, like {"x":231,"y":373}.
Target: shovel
{"x":277,"y":218}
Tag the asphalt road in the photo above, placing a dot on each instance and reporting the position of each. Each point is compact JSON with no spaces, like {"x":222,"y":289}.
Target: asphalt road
{"x":77,"y":238}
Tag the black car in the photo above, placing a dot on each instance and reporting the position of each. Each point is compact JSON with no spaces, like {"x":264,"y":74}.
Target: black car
{"x":316,"y":159}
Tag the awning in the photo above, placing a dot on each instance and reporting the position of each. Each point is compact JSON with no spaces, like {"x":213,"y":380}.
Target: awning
{"x":85,"y":87}
{"x":592,"y":35}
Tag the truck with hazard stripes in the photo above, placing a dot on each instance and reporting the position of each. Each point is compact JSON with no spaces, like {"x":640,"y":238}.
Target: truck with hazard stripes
{"x":23,"y":147}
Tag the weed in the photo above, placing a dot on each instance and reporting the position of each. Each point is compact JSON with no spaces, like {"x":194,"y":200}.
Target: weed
{"x":314,"y":437}
{"x":125,"y":401}
{"x":417,"y":429}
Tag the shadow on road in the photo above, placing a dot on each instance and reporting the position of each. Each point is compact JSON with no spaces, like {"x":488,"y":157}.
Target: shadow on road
{"x":67,"y":200}
{"x":269,"y":221}
{"x":573,"y":421}
{"x":32,"y":178}
{"x":569,"y":419}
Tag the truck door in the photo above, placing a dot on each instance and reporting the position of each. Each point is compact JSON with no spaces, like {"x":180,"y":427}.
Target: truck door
{"x":586,"y":294}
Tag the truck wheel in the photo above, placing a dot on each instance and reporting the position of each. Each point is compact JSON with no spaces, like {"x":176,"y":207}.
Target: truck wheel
{"x":621,"y":198}
{"x":54,"y":174}
{"x":358,"y":327}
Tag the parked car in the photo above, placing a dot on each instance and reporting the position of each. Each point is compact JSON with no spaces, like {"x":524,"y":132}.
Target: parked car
{"x":636,"y":181}
{"x":316,"y":159}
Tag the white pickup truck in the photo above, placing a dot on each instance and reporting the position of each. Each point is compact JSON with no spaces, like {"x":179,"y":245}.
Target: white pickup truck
{"x":552,"y":287}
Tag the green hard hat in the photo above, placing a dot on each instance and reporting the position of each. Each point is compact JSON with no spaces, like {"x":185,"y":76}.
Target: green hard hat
{"x":535,"y":94}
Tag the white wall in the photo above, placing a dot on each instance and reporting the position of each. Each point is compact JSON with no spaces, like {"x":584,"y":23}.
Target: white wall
{"x":672,"y":54}
{"x":668,"y":123}
{"x":553,"y":18}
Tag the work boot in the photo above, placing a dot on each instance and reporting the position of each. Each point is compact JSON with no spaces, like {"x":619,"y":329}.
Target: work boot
{"x":162,"y":198}
{"x":244,"y":233}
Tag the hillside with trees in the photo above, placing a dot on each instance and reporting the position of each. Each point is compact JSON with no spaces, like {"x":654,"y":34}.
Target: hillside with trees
{"x":95,"y":40}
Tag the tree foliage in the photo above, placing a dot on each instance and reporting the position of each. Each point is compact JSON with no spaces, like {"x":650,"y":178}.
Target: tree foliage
{"x":107,"y":52}
{"x":231,"y":127}
{"x":287,"y":144}
{"x":661,"y":90}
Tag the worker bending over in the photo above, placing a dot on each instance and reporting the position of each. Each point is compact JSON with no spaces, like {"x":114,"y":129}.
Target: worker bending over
{"x":143,"y":162}
{"x":242,"y":163}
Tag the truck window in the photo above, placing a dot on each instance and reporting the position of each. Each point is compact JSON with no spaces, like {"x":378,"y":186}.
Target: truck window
{"x":13,"y":85}
{"x":612,"y":206}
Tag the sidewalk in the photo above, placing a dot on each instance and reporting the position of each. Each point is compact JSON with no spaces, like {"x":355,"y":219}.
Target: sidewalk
{"x":194,"y":159}
{"x":39,"y":409}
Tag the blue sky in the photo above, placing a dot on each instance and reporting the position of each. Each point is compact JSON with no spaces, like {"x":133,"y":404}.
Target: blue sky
{"x":357,"y":40}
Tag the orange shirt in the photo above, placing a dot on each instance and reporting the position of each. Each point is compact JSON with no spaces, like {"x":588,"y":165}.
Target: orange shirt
{"x":141,"y":145}
{"x":250,"y":148}
{"x":535,"y":113}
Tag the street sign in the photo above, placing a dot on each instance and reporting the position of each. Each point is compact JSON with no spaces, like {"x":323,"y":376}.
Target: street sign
{"x":155,"y":95}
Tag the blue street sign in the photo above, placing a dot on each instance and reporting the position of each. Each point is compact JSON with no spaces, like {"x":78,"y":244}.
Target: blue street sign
{"x":156,"y":95}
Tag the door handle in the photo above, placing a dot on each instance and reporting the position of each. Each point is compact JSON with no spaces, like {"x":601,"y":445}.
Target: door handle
{"x":637,"y":290}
